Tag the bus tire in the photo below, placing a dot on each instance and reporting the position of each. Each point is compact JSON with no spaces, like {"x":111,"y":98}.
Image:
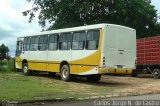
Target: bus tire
{"x":93,"y":78}
{"x":156,"y":73}
{"x":25,"y":69}
{"x":65,"y":73}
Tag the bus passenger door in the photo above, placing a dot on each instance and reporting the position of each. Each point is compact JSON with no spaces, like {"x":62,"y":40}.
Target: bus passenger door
{"x":38,"y":53}
{"x":18,"y":60}
{"x":53,"y":54}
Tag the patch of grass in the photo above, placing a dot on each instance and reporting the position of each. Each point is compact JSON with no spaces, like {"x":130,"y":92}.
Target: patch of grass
{"x":7,"y":65}
{"x":18,"y":87}
{"x":15,"y":86}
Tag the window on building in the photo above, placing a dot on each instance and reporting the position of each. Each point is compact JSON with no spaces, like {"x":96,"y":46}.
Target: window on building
{"x":65,"y":41}
{"x":34,"y":43}
{"x":43,"y":42}
{"x":78,"y":40}
{"x":92,"y":39}
{"x":53,"y":42}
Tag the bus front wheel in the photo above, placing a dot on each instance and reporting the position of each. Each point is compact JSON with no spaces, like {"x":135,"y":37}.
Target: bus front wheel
{"x":25,"y":69}
{"x":93,"y":78}
{"x":65,"y":73}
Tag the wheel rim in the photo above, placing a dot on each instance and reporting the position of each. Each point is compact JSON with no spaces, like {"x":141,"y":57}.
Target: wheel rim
{"x":156,"y":73}
{"x":25,"y":69}
{"x":64,"y":73}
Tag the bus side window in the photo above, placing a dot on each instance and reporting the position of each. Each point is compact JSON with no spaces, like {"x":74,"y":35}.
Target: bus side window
{"x":92,"y":39}
{"x":53,"y":42}
{"x":69,"y":40}
{"x":65,"y":41}
{"x":43,"y":43}
{"x":78,"y":40}
{"x":34,"y":43}
{"x":26,"y":44}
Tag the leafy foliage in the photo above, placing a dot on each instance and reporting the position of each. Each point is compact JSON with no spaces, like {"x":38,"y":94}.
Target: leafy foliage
{"x":138,"y":14}
{"x":3,"y":51}
{"x":7,"y":65}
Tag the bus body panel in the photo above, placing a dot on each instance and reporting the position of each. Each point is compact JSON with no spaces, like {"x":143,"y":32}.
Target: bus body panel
{"x":36,"y":59}
{"x":119,"y":47}
{"x":86,"y":62}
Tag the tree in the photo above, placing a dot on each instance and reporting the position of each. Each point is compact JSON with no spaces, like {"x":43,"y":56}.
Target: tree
{"x":4,"y":51}
{"x":138,"y":14}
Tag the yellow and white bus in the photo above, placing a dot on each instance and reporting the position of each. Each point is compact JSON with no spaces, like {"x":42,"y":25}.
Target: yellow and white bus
{"x":90,"y":50}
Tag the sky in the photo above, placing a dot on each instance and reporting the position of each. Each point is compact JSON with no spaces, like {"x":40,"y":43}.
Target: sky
{"x":13,"y":24}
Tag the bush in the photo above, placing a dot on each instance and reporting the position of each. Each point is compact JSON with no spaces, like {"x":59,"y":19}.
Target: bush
{"x":7,"y":65}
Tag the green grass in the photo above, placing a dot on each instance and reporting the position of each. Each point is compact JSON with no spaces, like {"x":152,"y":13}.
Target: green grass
{"x":7,"y":66}
{"x":14,"y":86}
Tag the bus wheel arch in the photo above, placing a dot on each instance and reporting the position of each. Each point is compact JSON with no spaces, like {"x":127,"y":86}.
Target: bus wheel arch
{"x":24,"y":61}
{"x":25,"y":69}
{"x":65,"y":71}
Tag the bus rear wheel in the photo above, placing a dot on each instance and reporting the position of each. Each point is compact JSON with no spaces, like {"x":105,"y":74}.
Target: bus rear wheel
{"x":65,"y":73}
{"x":25,"y":69}
{"x":156,"y":73}
{"x":93,"y":78}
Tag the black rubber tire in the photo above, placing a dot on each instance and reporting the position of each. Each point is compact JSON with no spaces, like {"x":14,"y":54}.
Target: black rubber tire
{"x":156,"y":73}
{"x":93,"y":78}
{"x":25,"y":69}
{"x":65,"y":73}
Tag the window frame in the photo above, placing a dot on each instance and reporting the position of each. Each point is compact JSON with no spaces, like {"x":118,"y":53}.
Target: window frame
{"x":84,"y":41}
{"x":43,"y":43}
{"x":68,"y":41}
{"x":34,"y":42}
{"x":26,"y":44}
{"x":19,"y":48}
{"x":57,"y":42}
{"x":86,"y":47}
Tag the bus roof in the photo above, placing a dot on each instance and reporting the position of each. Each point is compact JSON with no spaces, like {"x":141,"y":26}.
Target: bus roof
{"x":79,"y":28}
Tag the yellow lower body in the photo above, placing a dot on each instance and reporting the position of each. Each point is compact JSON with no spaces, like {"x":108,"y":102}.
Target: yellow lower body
{"x":121,"y":71}
{"x":74,"y":69}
